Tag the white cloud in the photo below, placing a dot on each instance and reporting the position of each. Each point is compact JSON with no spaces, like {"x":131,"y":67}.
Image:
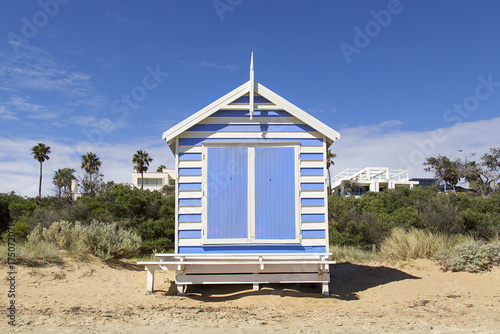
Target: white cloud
{"x":6,"y":88}
{"x":35,"y":70}
{"x":22,"y":104}
{"x":7,"y":114}
{"x":82,"y":121}
{"x":222,"y":67}
{"x":368,"y":146}
{"x":226,"y":67}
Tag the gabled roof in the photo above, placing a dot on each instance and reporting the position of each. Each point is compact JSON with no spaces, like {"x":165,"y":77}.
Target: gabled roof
{"x":225,"y":101}
{"x":250,"y":88}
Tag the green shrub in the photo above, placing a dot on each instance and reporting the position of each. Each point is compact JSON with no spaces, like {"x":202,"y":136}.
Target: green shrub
{"x":441,"y":214}
{"x":472,"y":257}
{"x":20,"y":230}
{"x":352,"y":226}
{"x":344,"y":238}
{"x":108,"y":241}
{"x":157,"y":234}
{"x":63,"y":234}
{"x":160,"y":245}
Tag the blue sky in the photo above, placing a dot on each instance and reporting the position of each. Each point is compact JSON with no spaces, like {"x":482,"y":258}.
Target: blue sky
{"x":400,"y":80}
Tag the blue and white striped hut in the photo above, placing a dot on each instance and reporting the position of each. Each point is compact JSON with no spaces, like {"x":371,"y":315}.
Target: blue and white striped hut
{"x":251,"y":196}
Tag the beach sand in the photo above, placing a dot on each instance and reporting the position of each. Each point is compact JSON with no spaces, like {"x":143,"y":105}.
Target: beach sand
{"x":109,"y":297}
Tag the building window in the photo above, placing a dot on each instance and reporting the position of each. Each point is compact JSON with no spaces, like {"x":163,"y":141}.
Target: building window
{"x":150,"y":182}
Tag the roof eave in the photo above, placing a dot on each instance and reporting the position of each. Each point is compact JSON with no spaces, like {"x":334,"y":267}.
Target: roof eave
{"x":299,"y":113}
{"x":200,"y":115}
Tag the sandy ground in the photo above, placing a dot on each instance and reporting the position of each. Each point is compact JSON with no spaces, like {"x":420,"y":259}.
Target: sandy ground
{"x":110,"y":297}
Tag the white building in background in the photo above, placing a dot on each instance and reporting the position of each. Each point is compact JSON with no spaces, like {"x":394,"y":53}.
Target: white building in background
{"x":372,"y":179}
{"x":154,"y":180}
{"x":74,"y":189}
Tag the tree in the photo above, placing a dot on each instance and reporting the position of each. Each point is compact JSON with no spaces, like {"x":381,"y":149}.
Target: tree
{"x":41,"y":153}
{"x":62,"y":179}
{"x":329,"y":162}
{"x":141,"y":160}
{"x":348,"y":187}
{"x":161,"y":168}
{"x":57,"y":180}
{"x":444,"y":169}
{"x":483,"y":177}
{"x":92,"y":180}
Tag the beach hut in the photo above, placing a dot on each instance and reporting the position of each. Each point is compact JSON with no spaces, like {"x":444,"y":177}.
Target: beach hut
{"x":251,"y":194}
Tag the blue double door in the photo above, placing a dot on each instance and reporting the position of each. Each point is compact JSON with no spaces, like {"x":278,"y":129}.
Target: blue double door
{"x":251,"y":193}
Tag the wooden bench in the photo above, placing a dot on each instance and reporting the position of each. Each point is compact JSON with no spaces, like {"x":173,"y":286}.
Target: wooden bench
{"x":241,"y":268}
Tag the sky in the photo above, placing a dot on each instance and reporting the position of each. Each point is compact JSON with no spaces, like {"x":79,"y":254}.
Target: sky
{"x":400,"y":80}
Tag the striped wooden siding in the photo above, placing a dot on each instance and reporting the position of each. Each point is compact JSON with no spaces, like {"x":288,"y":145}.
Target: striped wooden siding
{"x":267,"y":126}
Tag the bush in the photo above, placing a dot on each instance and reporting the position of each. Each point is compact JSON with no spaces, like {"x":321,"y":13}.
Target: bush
{"x":352,"y":226}
{"x":157,"y":235}
{"x":20,"y":230}
{"x":63,"y":234}
{"x":471,"y":257}
{"x":416,"y":243}
{"x":108,"y":241}
{"x":441,"y":214}
{"x":370,"y":218}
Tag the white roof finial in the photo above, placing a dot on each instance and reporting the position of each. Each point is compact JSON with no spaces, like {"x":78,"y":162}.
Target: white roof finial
{"x":252,"y":87}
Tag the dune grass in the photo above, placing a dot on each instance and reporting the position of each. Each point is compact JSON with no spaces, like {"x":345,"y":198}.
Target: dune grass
{"x":342,"y":253}
{"x":32,"y":254}
{"x":403,"y":245}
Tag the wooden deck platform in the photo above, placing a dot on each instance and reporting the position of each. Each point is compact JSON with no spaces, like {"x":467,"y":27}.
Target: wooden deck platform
{"x":240,"y":268}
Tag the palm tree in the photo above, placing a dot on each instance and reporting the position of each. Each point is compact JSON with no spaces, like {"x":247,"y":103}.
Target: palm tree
{"x":91,"y":165}
{"x":62,"y":179}
{"x":41,"y":153}
{"x":161,"y":168}
{"x":141,"y":160}
{"x":68,"y":177}
{"x":329,"y":162}
{"x":57,"y":179}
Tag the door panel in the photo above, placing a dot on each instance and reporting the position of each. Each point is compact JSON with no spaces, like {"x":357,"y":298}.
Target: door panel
{"x":227,"y":194}
{"x":275,"y":193}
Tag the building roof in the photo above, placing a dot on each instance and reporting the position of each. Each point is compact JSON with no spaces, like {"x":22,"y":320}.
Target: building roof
{"x":230,"y":101}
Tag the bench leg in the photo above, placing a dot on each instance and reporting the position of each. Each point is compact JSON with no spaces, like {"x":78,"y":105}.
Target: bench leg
{"x":256,"y":287}
{"x":150,"y":280}
{"x":324,"y":289}
{"x":180,"y":289}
